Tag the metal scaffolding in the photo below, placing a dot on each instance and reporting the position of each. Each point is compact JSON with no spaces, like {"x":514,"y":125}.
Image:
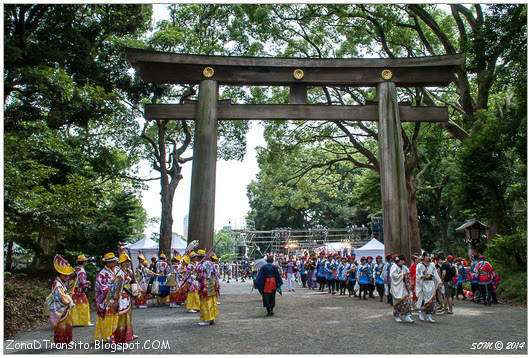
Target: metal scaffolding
{"x":286,"y":240}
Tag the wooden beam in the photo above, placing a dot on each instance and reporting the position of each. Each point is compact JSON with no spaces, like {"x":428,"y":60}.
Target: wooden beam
{"x":162,"y":67}
{"x":160,"y":73}
{"x":228,"y":111}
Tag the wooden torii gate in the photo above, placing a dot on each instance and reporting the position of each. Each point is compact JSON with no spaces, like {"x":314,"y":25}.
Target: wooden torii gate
{"x":297,"y":73}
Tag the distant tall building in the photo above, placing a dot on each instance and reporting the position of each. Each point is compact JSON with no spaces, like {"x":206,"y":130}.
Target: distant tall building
{"x":185,"y":226}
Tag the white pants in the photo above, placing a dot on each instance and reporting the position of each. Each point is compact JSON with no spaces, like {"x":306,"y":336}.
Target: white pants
{"x":291,"y":281}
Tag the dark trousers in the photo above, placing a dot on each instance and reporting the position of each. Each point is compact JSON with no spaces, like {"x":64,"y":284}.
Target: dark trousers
{"x":269,"y":300}
{"x":389,"y":296}
{"x":304,"y":278}
{"x":350,"y":287}
{"x":342,"y":287}
{"x":381,"y":289}
{"x":487,"y":294}
{"x":322,"y":282}
{"x":364,"y":288}
{"x":338,"y":285}
{"x":371,"y":289}
{"x":331,"y":284}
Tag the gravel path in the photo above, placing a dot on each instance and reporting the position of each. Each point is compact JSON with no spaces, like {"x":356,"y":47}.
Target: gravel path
{"x":305,"y":322}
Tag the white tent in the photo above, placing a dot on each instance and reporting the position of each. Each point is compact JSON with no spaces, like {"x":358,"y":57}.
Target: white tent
{"x":150,"y":248}
{"x":335,"y":247}
{"x":372,"y":248}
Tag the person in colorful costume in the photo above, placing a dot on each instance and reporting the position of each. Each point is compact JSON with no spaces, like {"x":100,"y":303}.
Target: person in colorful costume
{"x":400,"y":290}
{"x":81,"y":310}
{"x":175,"y":280}
{"x":364,"y":276}
{"x":485,"y":274}
{"x":192,"y":298}
{"x":268,"y":282}
{"x":387,"y":277}
{"x":162,"y":268}
{"x":330,"y":267}
{"x":321,"y":272}
{"x":371,"y":286}
{"x":342,"y":276}
{"x":60,"y":303}
{"x":291,"y":269}
{"x":378,"y":278}
{"x":461,"y":278}
{"x":473,"y":279}
{"x":428,"y":281}
{"x":142,"y":276}
{"x":413,"y":276}
{"x":310,"y":266}
{"x":351,"y":269}
{"x":208,"y":280}
{"x":124,"y":291}
{"x":107,"y":318}
{"x":215,"y":261}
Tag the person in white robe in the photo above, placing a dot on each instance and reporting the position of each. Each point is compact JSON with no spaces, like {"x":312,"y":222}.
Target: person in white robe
{"x":399,"y":289}
{"x":428,"y":281}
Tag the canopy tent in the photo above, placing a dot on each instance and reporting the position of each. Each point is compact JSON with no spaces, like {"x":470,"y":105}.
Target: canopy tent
{"x":338,"y":247}
{"x":150,"y":248}
{"x":372,"y":248}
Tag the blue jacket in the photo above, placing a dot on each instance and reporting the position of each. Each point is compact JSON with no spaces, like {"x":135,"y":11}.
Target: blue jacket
{"x":364,"y":273}
{"x":378,"y":271}
{"x":320,"y":268}
{"x":267,"y":271}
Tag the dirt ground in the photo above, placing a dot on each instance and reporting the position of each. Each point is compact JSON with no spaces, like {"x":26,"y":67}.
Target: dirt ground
{"x":305,"y":322}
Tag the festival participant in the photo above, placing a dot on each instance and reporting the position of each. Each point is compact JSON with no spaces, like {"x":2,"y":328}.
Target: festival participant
{"x":192,"y":298}
{"x":399,"y":290}
{"x":81,"y":310}
{"x":428,"y":281}
{"x":377,"y":277}
{"x":215,"y":261}
{"x":342,"y":276}
{"x":387,"y":277}
{"x":303,"y":271}
{"x":162,"y":269}
{"x":461,"y":277}
{"x":208,"y":280}
{"x":153,"y":266}
{"x":309,"y":266}
{"x":330,"y":266}
{"x":371,"y":286}
{"x":174,"y":280}
{"x":268,"y":281}
{"x":473,"y":279}
{"x":123,"y":292}
{"x":142,"y":276}
{"x":364,"y":277}
{"x":448,"y":274}
{"x":60,"y":303}
{"x":484,"y":273}
{"x":351,"y":275}
{"x":290,"y":273}
{"x":107,"y":318}
{"x":438,"y":260}
{"x":321,"y":271}
{"x":412,"y":275}
{"x":337,"y":273}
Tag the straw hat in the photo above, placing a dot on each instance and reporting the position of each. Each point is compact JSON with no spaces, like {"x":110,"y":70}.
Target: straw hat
{"x":123,"y":258}
{"x":62,"y":266}
{"x":109,"y":256}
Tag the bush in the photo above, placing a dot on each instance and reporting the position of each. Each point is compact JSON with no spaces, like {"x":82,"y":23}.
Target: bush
{"x":509,"y":253}
{"x":513,"y":286}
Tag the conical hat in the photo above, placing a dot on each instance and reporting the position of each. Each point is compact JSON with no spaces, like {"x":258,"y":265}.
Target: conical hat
{"x":62,"y":266}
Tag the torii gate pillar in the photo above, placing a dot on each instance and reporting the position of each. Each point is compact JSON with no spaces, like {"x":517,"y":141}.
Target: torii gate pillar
{"x":203,"y":187}
{"x":392,"y":172}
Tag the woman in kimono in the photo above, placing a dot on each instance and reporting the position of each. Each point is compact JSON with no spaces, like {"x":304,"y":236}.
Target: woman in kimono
{"x":60,"y":303}
{"x":192,"y":298}
{"x":124,"y":291}
{"x":208,"y":286}
{"x":81,"y":310}
{"x":268,"y":282}
{"x":107,"y":318}
{"x":174,"y":280}
{"x":399,"y":289}
{"x":142,"y":276}
{"x":428,"y":281}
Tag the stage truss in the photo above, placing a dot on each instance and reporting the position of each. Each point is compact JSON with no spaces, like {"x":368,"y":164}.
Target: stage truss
{"x":288,"y":241}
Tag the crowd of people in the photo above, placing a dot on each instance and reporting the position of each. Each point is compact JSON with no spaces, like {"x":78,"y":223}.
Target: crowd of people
{"x":191,"y":280}
{"x":429,"y":285}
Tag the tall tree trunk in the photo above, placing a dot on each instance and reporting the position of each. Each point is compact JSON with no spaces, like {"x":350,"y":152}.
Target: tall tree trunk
{"x":412,"y":215}
{"x":166,"y":198}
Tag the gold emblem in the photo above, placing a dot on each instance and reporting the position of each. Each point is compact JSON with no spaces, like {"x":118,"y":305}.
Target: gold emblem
{"x":298,"y":74}
{"x":208,"y":72}
{"x":387,"y":74}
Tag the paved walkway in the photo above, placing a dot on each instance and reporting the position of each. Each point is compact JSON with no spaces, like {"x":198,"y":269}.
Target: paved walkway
{"x":305,"y":322}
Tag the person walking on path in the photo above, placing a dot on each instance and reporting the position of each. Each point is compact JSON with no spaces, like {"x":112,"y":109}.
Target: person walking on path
{"x":485,"y":275}
{"x":400,"y":290}
{"x":448,"y":273}
{"x":81,"y":309}
{"x":268,"y":281}
{"x":428,"y":281}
